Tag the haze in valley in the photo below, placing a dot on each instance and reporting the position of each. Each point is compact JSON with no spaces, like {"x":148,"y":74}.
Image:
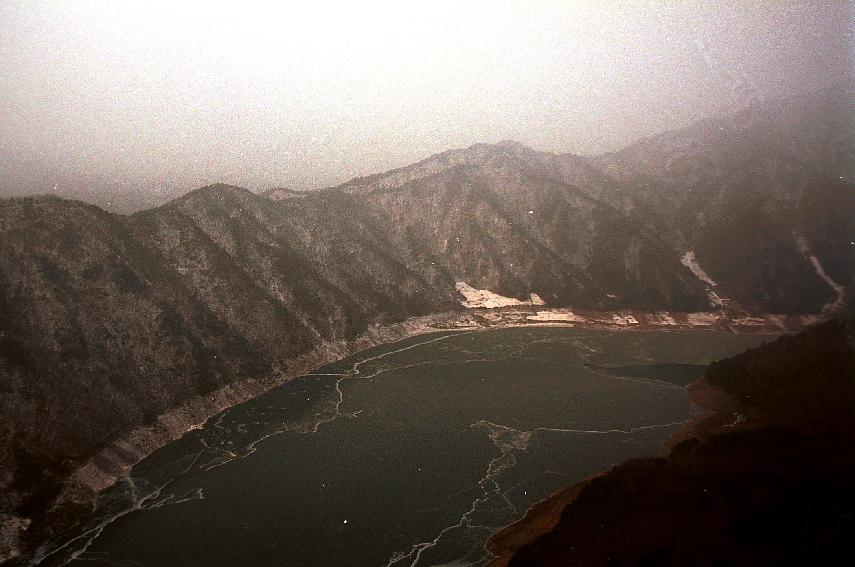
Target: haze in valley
{"x":130,"y":106}
{"x":401,"y":277}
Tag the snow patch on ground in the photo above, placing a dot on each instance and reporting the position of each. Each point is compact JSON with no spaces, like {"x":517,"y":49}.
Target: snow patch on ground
{"x":702,"y":319}
{"x":485,"y":298}
{"x":624,"y":319}
{"x":567,"y":316}
{"x":820,"y":271}
{"x":662,"y":318}
{"x":749,"y":321}
{"x":536,"y":300}
{"x":690,"y":262}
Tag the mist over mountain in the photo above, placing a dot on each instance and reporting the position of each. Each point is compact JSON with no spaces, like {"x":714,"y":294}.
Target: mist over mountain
{"x":128,"y":106}
{"x":108,"y":321}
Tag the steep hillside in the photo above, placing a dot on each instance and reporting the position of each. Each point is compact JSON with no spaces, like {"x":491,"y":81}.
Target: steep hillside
{"x":762,"y":199}
{"x":757,"y":196}
{"x":505,"y":226}
{"x":97,"y":333}
{"x":108,"y":322}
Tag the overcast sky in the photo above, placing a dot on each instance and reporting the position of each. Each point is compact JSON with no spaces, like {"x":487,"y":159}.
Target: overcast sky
{"x":106,"y":97}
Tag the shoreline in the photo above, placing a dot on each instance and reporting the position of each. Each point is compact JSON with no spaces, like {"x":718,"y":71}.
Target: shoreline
{"x":114,"y":460}
{"x":108,"y":464}
{"x":541,"y":518}
{"x":717,"y":413}
{"x":801,"y":390}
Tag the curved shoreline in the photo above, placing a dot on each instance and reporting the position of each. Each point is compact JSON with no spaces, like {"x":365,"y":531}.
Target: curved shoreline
{"x":544,"y":516}
{"x":538,"y":520}
{"x":774,"y":412}
{"x":115,"y":459}
{"x":718,"y":409}
{"x":118,"y":457}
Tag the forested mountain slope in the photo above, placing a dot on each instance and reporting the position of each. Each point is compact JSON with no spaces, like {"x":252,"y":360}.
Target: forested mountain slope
{"x":108,"y":321}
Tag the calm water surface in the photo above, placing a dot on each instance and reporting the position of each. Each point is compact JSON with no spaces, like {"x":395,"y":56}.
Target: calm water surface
{"x":407,"y":454}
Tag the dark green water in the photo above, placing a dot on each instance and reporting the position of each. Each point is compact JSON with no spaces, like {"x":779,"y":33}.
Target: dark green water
{"x":407,"y":454}
{"x":674,"y":372}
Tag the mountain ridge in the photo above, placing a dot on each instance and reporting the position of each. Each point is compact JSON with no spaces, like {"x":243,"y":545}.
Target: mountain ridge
{"x":108,"y":321}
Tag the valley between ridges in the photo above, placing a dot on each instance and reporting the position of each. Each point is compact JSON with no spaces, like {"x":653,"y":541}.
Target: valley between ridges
{"x":128,"y":448}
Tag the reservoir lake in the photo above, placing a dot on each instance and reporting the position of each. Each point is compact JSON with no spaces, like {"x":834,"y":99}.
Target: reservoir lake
{"x":411,"y":453}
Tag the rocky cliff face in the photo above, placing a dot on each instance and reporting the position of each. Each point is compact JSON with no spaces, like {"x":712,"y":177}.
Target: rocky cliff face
{"x":107,"y":321}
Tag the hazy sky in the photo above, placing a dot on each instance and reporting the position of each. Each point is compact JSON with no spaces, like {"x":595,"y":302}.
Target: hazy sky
{"x":149,"y":97}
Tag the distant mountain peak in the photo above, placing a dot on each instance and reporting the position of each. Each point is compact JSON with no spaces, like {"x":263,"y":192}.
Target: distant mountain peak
{"x":283,"y":193}
{"x":513,"y":144}
{"x":477,"y":155}
{"x":223,"y":193}
{"x":217,"y":190}
{"x":223,"y":187}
